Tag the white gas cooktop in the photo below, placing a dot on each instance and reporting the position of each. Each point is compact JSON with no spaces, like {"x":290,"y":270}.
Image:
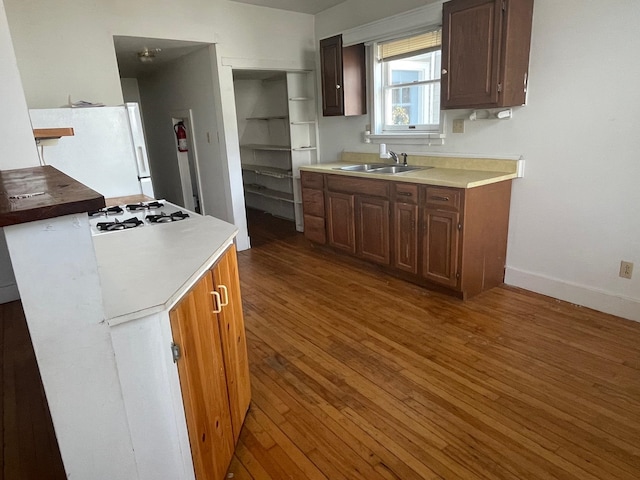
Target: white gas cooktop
{"x":136,"y":215}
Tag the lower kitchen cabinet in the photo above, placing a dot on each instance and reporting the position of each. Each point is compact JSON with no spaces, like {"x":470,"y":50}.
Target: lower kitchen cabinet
{"x":405,"y":227}
{"x":341,"y":222}
{"x":233,"y":338}
{"x":440,"y":247}
{"x":372,"y":229}
{"x":436,"y":236}
{"x":405,"y":235}
{"x":313,"y":206}
{"x":211,"y":356}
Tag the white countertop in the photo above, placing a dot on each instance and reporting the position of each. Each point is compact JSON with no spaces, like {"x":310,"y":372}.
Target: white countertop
{"x":146,"y":270}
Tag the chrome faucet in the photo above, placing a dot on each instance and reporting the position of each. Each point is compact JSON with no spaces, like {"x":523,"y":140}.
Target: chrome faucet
{"x":394,"y":155}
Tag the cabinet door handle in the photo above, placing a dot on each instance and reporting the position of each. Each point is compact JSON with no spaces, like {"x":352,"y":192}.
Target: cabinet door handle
{"x":225,"y":295}
{"x":338,"y":87}
{"x":217,"y":304}
{"x":405,"y":194}
{"x":444,"y":71}
{"x":441,"y":199}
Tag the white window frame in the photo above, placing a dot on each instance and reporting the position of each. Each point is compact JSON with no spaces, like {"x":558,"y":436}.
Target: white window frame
{"x":379,"y":129}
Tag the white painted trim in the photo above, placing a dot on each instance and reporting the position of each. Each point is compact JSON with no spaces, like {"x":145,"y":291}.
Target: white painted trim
{"x":9,"y":293}
{"x":403,"y":24}
{"x":266,"y":64}
{"x":583,"y":295}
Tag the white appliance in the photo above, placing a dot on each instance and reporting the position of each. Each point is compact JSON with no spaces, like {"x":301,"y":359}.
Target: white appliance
{"x":136,"y":215}
{"x":107,"y":151}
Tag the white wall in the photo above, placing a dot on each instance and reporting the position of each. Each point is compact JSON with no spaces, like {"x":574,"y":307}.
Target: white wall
{"x":16,"y":137}
{"x":65,"y":48}
{"x":72,"y":42}
{"x":181,"y":85}
{"x":575,"y":214}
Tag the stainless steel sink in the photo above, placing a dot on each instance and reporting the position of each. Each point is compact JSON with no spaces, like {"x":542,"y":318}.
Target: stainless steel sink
{"x":363,"y":167}
{"x":395,"y":169}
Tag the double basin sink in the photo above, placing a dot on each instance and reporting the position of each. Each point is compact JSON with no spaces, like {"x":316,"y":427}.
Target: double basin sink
{"x":379,"y":168}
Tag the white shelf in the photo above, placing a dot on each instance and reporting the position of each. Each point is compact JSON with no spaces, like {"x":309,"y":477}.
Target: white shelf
{"x":268,"y":193}
{"x":304,"y":149}
{"x":268,"y":171}
{"x":256,"y":146}
{"x":279,"y":117}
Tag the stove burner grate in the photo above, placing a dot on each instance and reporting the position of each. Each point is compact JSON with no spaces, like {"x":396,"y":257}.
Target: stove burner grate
{"x":144,"y":206}
{"x":106,"y":211}
{"x":132,"y":222}
{"x":166,"y":218}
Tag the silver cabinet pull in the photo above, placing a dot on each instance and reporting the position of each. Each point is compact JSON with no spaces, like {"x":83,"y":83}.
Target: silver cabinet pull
{"x":441,"y":199}
{"x":405,"y":194}
{"x":444,"y":71}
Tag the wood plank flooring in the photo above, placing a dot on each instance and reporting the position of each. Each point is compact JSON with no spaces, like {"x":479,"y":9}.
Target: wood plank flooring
{"x":358,"y":375}
{"x":29,"y":448}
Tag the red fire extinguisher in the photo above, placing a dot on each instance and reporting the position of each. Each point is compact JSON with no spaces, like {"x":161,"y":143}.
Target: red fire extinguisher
{"x":181,"y":136}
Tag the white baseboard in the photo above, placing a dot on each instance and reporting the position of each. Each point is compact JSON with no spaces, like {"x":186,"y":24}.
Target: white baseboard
{"x":596,"y":299}
{"x":9,"y":293}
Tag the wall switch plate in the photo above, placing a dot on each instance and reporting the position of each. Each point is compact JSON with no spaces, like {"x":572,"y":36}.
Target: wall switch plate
{"x":458,"y":125}
{"x":626,"y":269}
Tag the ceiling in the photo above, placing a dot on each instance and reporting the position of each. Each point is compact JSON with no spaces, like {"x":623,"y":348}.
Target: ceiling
{"x":303,"y":6}
{"x":127,"y":49}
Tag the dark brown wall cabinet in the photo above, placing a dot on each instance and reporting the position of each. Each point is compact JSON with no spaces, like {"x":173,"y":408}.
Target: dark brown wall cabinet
{"x":485,"y":53}
{"x":440,"y":236}
{"x":343,"y":78}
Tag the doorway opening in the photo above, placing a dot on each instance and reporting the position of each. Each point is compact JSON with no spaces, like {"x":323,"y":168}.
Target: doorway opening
{"x":277,"y":131}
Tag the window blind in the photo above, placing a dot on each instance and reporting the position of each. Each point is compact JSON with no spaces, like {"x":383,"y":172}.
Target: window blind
{"x":411,"y":46}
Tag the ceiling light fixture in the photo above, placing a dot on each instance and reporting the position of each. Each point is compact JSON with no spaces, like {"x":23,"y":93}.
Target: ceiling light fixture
{"x":148,"y":54}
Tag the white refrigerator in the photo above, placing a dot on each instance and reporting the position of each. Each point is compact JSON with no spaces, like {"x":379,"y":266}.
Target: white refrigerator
{"x":107,"y":151}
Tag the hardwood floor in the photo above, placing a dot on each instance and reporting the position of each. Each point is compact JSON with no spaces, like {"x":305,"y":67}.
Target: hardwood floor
{"x":29,"y":446}
{"x":358,"y":375}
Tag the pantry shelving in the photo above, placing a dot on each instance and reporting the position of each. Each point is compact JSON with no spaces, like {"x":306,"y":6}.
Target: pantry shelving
{"x":278,"y":134}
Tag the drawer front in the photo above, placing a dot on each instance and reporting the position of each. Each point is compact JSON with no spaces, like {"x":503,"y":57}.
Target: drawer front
{"x":312,"y":180}
{"x":443,"y":198}
{"x":314,"y":229}
{"x":313,"y":202}
{"x":358,"y":186}
{"x":405,"y":193}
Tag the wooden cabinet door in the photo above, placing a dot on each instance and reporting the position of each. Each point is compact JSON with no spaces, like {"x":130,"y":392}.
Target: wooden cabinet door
{"x":405,"y":237}
{"x":372,"y":229}
{"x":232,"y":333}
{"x":340,"y":221}
{"x":331,"y":68}
{"x":440,"y":247}
{"x":485,"y":53}
{"x":470,"y":53}
{"x":343,"y":73}
{"x":203,"y":381}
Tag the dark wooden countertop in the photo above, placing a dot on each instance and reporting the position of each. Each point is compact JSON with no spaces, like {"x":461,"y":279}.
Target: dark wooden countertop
{"x":38,"y":193}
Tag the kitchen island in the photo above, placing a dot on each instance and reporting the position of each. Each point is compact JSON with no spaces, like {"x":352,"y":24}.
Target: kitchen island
{"x":104,"y":313}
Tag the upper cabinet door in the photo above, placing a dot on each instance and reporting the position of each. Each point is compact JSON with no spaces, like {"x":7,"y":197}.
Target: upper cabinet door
{"x":485,"y":53}
{"x":331,"y":68}
{"x":343,"y":78}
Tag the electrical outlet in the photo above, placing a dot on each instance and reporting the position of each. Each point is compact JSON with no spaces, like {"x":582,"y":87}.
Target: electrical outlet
{"x":626,"y":269}
{"x":458,"y":125}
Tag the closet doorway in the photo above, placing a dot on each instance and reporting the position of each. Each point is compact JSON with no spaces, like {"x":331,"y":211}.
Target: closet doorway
{"x":277,"y":130}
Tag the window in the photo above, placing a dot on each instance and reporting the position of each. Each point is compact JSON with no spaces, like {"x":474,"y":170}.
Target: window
{"x":407,"y":84}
